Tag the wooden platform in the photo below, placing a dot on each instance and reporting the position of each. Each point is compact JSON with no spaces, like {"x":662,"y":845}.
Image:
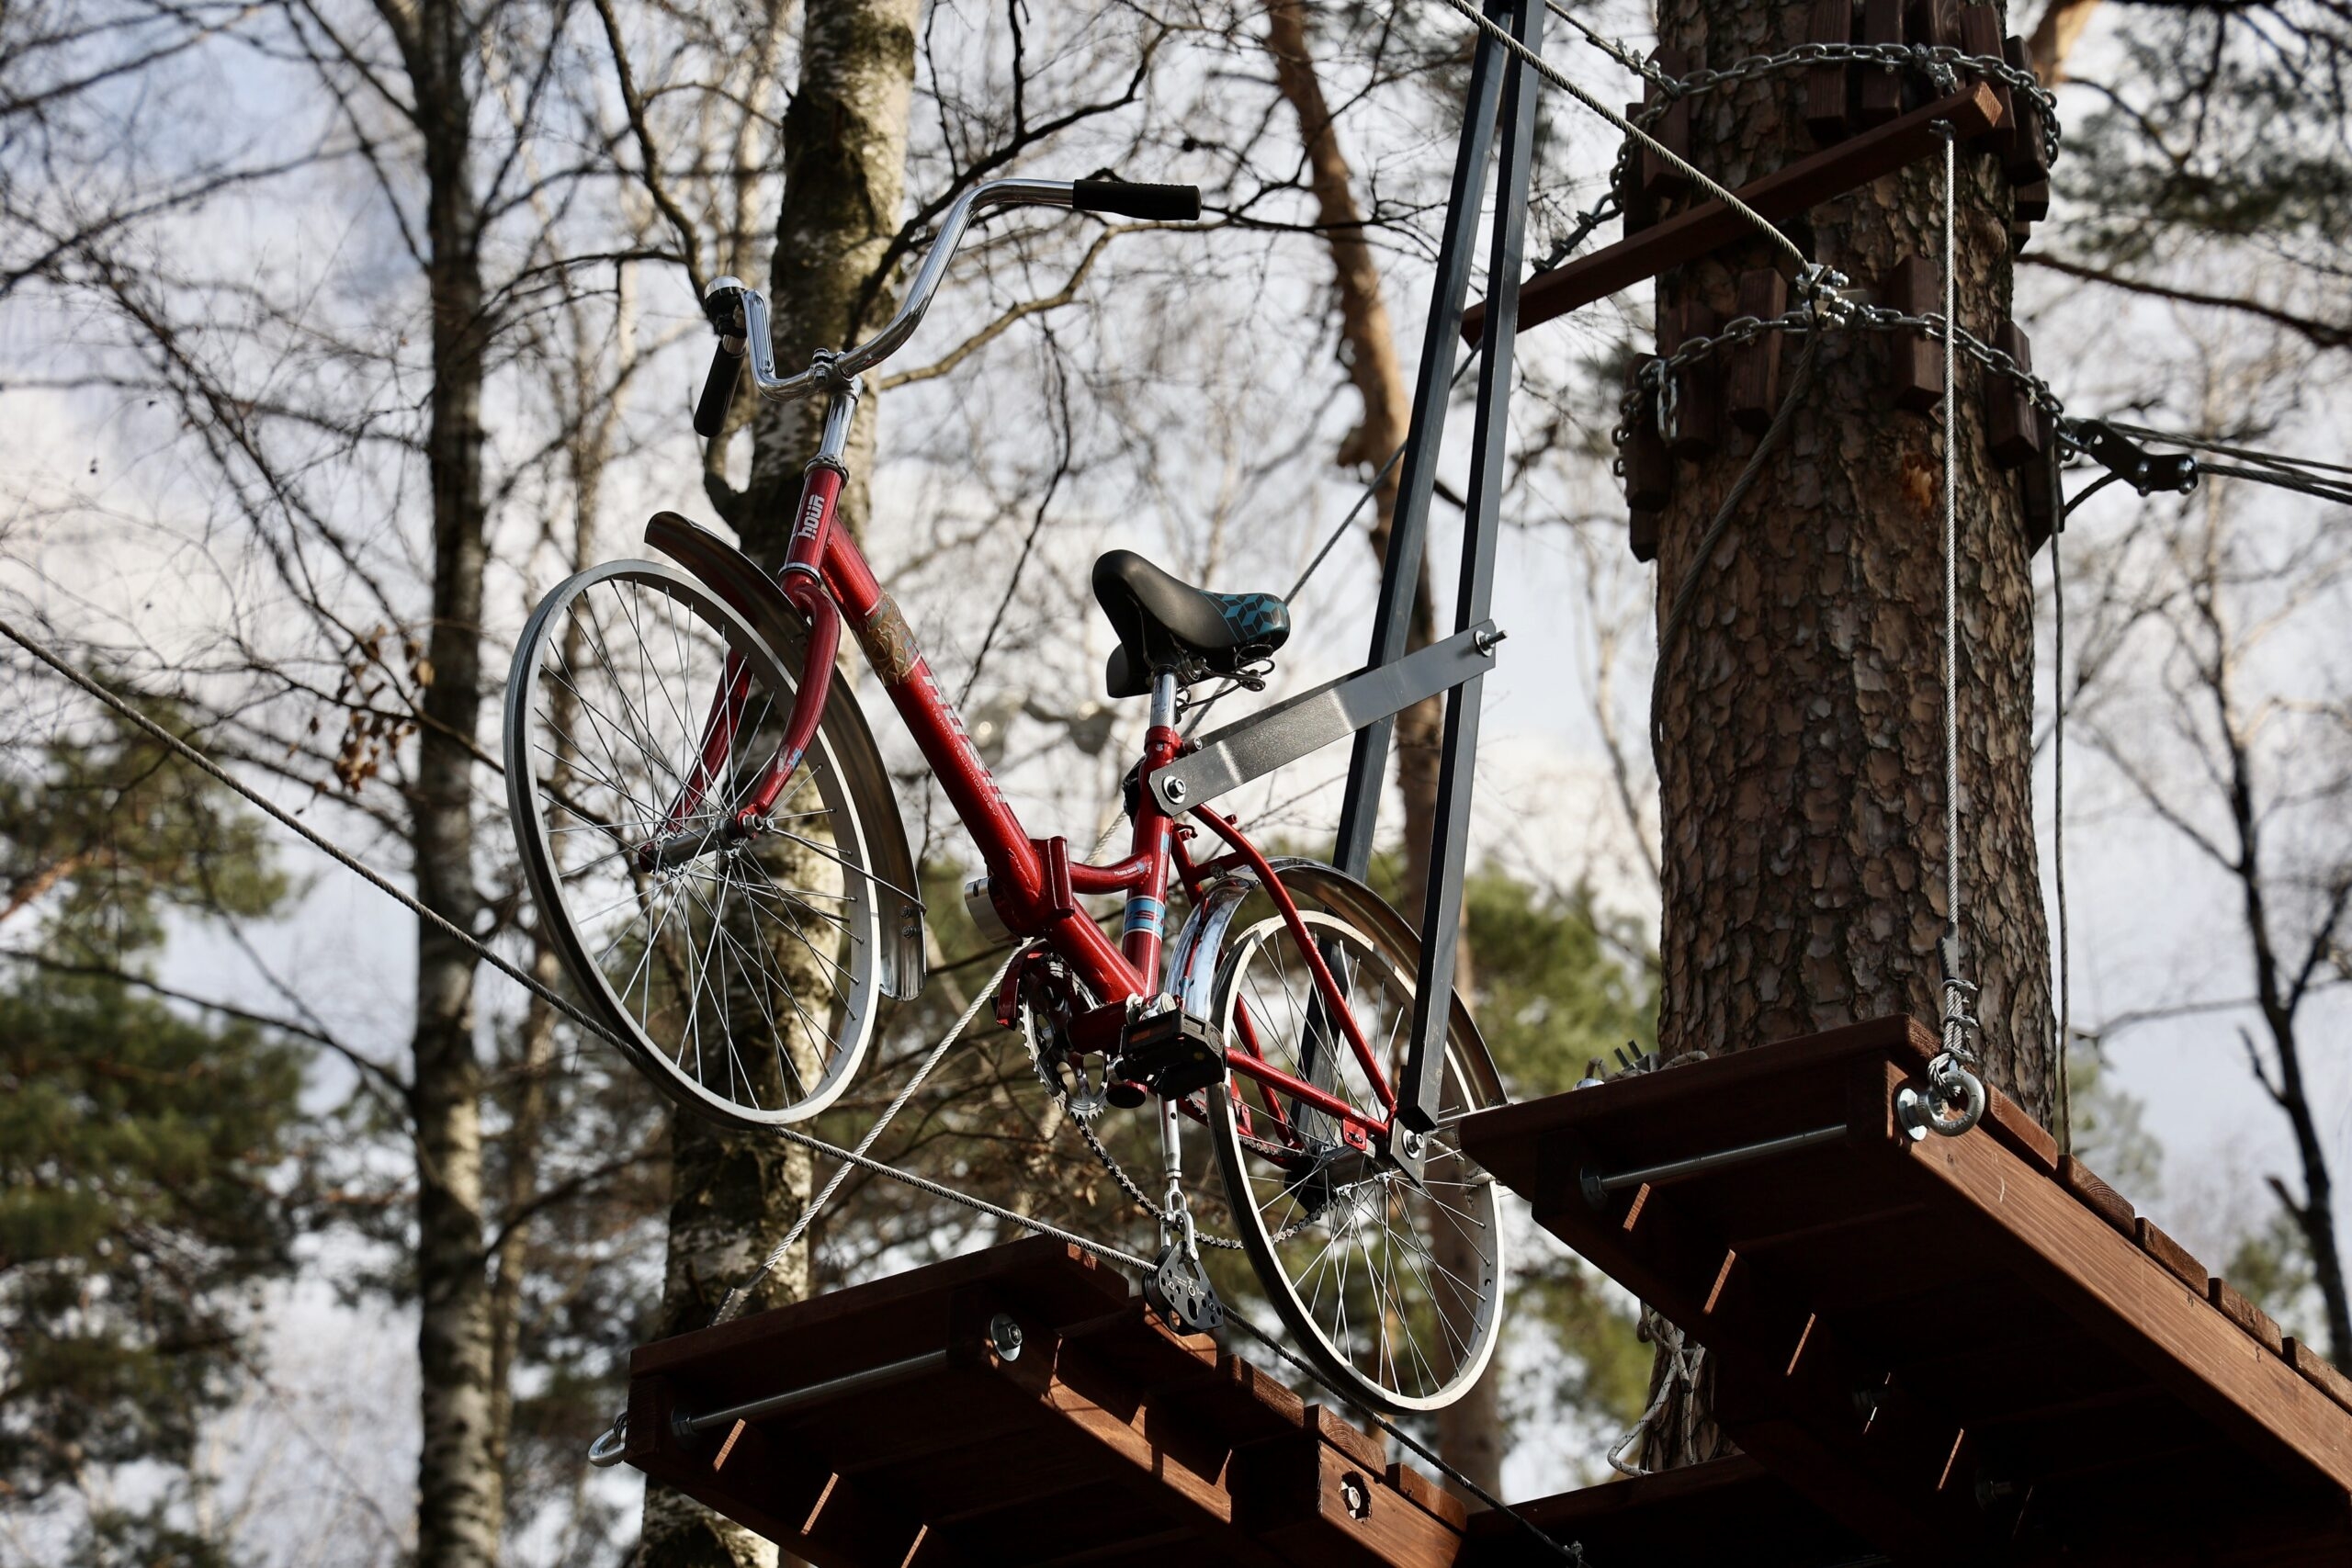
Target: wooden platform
{"x":1961,"y":1349}
{"x":1106,"y":1440}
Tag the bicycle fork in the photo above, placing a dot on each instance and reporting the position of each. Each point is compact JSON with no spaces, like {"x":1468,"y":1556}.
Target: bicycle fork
{"x":803,"y":584}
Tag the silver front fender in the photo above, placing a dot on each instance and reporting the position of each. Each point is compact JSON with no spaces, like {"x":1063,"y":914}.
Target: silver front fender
{"x":1191,"y":970}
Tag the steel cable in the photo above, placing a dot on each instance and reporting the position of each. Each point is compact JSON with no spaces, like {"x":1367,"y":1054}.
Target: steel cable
{"x":1551,"y":74}
{"x":848,"y":1157}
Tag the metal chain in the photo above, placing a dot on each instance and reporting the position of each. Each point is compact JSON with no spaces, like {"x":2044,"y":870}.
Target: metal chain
{"x":1943,"y":63}
{"x":1835,"y":311}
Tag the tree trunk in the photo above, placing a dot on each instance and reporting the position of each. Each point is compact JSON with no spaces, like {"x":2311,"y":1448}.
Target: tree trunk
{"x":844,"y":174}
{"x":1469,"y":1431}
{"x":1801,"y":755}
{"x":460,"y":1501}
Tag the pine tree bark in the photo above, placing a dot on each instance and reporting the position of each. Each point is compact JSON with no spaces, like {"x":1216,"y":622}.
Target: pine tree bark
{"x":460,"y":1495}
{"x":1801,"y":752}
{"x":844,"y":176}
{"x":1470,"y":1431}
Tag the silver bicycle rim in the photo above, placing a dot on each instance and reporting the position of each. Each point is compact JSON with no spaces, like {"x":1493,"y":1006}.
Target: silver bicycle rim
{"x":1394,"y":1294}
{"x":744,"y":976}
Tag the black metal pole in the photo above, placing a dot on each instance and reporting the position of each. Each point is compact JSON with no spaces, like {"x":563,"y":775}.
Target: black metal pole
{"x":1425,"y":438}
{"x":1417,"y":1096}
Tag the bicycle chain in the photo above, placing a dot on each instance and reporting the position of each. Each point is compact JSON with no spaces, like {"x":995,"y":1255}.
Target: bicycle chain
{"x":1083,"y":1121}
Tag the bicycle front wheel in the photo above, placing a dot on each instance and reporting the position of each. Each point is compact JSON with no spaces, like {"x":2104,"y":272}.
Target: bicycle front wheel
{"x":739,"y":972}
{"x":1393,"y":1288}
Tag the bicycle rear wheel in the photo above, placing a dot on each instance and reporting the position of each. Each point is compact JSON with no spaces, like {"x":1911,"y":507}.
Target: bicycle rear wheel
{"x":739,"y":972}
{"x":1393,"y":1288}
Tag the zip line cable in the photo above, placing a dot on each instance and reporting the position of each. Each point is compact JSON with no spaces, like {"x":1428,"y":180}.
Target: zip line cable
{"x":846,"y":1158}
{"x":2200,"y":444}
{"x":1552,"y":74}
{"x":741,"y":1294}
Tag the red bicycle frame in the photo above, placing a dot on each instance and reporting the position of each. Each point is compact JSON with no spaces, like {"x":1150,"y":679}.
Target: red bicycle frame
{"x":1034,"y":884}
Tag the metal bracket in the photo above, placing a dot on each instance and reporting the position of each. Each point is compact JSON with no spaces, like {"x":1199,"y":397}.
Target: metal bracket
{"x":2129,"y":461}
{"x":1599,"y":1189}
{"x":1253,"y":747}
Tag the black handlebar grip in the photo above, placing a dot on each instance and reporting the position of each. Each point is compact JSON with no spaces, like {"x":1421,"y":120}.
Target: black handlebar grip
{"x":717,"y":391}
{"x":1156,"y":204}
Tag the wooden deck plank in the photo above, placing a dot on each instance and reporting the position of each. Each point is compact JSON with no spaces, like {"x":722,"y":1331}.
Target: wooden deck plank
{"x":2130,"y":1302}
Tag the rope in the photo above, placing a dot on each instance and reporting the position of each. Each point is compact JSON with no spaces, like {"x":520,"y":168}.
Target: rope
{"x":1544,"y":69}
{"x":809,"y":1141}
{"x":1686,"y":593}
{"x":1679,"y":1369}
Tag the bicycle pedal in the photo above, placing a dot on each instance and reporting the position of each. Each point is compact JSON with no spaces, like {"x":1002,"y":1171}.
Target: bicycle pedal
{"x":1178,"y":1289}
{"x":1171,"y":1053}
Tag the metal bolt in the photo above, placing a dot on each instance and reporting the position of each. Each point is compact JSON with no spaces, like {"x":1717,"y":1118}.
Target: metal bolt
{"x":1176,"y":790}
{"x":1004,"y":1338}
{"x":1485,"y":641}
{"x":1355,"y":1496}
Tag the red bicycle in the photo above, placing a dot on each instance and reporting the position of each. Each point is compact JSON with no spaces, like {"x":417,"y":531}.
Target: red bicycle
{"x":714,"y":847}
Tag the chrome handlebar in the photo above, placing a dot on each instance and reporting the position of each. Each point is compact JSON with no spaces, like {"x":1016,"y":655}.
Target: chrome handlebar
{"x":741,"y":312}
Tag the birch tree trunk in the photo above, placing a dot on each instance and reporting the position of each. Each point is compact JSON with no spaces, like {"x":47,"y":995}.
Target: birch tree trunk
{"x":1801,"y":758}
{"x":844,"y":156}
{"x":1470,"y":1431}
{"x":461,"y":1497}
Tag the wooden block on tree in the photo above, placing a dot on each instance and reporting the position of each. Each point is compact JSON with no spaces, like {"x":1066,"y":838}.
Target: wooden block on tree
{"x":2319,"y":1371}
{"x":1825,"y":85}
{"x":1642,"y":534}
{"x":1657,"y":178}
{"x":1980,"y":35}
{"x":2172,"y":1255}
{"x":1649,"y":473}
{"x":1698,"y":409}
{"x":2011,"y":430}
{"x":2023,"y":156}
{"x":2045,"y":509}
{"x":1688,"y":235}
{"x":1752,"y":377}
{"x":1881,"y":97}
{"x":1935,"y":23}
{"x":2020,"y":235}
{"x":2240,"y":1310}
{"x":2033,"y":200}
{"x":1916,"y":377}
{"x":2095,"y":1195}
{"x":1638,"y":209}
